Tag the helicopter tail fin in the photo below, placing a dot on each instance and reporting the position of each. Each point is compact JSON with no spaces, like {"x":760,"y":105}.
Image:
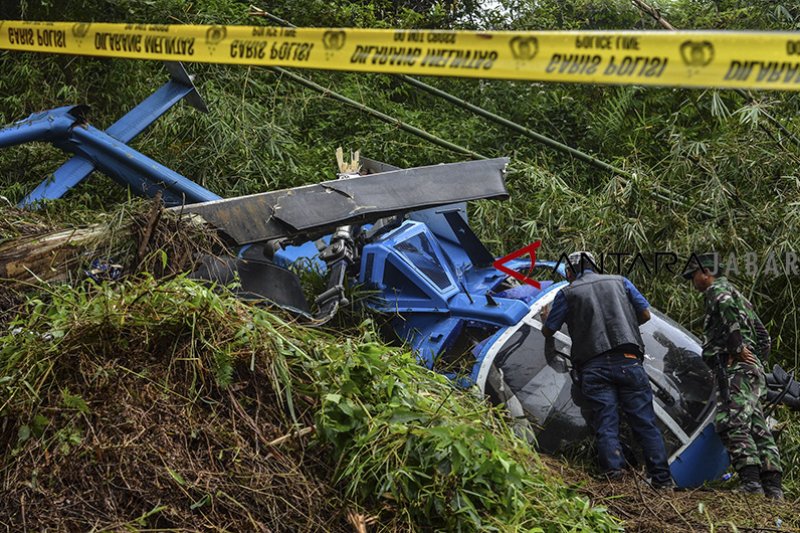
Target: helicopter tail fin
{"x":179,"y":87}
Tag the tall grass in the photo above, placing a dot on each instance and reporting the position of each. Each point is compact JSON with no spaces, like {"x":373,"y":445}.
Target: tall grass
{"x":400,"y":441}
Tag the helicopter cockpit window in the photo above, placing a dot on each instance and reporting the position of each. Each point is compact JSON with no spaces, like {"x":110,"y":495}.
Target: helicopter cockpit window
{"x":682,"y":382}
{"x":530,"y":374}
{"x":419,"y":251}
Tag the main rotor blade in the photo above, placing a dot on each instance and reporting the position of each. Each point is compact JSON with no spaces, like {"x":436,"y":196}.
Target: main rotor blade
{"x":307,"y":212}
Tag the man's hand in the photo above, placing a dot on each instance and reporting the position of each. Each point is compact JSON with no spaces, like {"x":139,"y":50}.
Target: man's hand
{"x":545,"y":313}
{"x":745,"y":356}
{"x":547,"y":332}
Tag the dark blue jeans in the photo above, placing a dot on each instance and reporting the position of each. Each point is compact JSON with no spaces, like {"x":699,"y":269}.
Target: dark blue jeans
{"x":613,"y":382}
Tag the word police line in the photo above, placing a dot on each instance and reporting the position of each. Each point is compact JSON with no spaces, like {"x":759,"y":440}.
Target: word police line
{"x":758,"y":60}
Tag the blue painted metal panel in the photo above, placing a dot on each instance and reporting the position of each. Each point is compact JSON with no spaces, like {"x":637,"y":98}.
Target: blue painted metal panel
{"x":63,"y":179}
{"x":148,"y":111}
{"x":428,"y":335}
{"x":703,"y":460}
{"x":132,"y":168}
{"x":410,"y":270}
{"x":507,"y":312}
{"x":406,"y":287}
{"x":45,"y":126}
{"x":457,"y":256}
{"x":306,"y":251}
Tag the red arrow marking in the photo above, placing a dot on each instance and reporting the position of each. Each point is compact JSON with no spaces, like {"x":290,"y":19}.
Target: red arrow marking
{"x":530,"y":250}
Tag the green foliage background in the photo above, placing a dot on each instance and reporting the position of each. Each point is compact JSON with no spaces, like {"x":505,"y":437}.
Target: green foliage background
{"x":719,"y":150}
{"x":716,"y":148}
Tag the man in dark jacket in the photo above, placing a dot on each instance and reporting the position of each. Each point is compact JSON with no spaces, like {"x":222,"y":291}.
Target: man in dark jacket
{"x":603,"y":314}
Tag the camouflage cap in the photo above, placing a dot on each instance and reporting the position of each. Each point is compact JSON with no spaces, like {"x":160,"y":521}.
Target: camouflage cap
{"x":707,"y":261}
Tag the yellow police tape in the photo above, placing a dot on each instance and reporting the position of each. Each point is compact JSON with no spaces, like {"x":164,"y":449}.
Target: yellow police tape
{"x":758,"y":60}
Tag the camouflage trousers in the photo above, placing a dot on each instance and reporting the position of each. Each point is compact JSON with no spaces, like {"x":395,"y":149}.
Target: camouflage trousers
{"x":741,"y":424}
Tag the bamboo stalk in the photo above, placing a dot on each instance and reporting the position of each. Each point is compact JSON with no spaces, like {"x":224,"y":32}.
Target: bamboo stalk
{"x":538,"y":137}
{"x":255,"y":11}
{"x":377,"y":114}
{"x":663,"y":192}
{"x":656,"y":15}
{"x":653,"y":12}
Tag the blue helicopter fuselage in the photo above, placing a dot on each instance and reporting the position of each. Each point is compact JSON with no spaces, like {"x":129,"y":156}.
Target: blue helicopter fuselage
{"x":424,"y":278}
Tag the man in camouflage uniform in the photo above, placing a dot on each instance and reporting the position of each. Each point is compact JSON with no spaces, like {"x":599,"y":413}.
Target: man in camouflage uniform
{"x":735,"y":336}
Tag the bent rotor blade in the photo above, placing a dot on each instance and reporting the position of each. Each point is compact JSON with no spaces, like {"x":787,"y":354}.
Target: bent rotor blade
{"x":304,"y":213}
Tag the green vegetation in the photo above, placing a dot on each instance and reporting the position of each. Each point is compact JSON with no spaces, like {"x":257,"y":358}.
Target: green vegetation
{"x":721,"y":151}
{"x":155,"y":389}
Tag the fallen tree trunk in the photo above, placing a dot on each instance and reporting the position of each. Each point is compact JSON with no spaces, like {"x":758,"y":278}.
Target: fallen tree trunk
{"x":50,"y":257}
{"x":141,"y":238}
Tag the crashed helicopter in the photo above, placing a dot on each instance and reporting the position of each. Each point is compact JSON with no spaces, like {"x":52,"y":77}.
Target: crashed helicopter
{"x":404,"y":233}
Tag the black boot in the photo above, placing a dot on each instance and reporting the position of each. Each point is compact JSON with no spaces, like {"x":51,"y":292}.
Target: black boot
{"x":771,"y":481}
{"x":749,"y":480}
